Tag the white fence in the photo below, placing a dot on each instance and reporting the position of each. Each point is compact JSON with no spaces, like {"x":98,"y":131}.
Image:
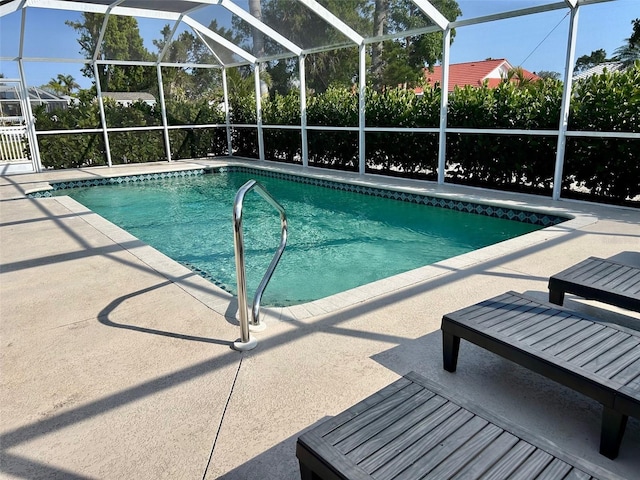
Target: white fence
{"x":13,"y":143}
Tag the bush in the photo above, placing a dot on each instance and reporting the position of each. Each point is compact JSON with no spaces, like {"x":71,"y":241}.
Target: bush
{"x":335,"y":149}
{"x":411,"y":153}
{"x":608,"y":168}
{"x":244,"y":139}
{"x":132,"y":146}
{"x":283,"y":145}
{"x":525,"y":162}
{"x":73,"y":150}
{"x":196,"y":142}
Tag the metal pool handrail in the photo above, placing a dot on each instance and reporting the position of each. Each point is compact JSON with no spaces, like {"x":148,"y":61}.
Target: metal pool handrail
{"x":245,"y":342}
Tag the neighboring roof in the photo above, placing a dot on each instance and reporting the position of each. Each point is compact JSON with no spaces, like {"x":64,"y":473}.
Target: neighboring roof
{"x":474,"y":73}
{"x":129,"y":96}
{"x":36,"y":94}
{"x":599,"y":69}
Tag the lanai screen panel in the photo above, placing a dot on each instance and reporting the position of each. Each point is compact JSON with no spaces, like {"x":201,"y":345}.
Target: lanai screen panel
{"x":222,"y":20}
{"x":9,"y":48}
{"x":475,"y":9}
{"x":401,"y":16}
{"x":172,"y":6}
{"x":299,"y":24}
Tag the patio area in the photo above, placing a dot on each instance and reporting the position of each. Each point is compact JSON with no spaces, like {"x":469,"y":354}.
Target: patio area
{"x":116,"y":361}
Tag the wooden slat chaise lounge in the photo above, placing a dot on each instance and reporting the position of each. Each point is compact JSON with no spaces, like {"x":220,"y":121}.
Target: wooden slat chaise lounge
{"x":598,"y":279}
{"x":412,"y":430}
{"x":599,"y":360}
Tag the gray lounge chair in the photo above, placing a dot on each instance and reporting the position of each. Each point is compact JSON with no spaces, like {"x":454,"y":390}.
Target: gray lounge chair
{"x":599,"y":279}
{"x":413,"y":429}
{"x":599,"y":360}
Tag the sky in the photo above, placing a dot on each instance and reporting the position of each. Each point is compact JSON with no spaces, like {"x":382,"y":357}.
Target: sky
{"x":535,"y":42}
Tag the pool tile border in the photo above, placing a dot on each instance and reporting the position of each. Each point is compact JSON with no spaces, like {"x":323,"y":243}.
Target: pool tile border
{"x":95,"y":182}
{"x":524,"y":216}
{"x":534,"y":218}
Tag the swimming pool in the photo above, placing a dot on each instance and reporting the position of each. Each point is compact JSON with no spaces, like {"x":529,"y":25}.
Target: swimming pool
{"x":340,"y":236}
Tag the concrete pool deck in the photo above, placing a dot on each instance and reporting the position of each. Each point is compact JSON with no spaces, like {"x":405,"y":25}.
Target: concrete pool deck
{"x":116,"y":361}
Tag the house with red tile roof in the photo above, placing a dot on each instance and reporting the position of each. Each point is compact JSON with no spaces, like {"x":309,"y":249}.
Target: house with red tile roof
{"x":475,"y":74}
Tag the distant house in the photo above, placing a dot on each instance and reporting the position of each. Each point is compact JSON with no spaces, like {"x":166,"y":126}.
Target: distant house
{"x":599,"y":69}
{"x":475,"y":74}
{"x":11,"y":109}
{"x":126,"y":99}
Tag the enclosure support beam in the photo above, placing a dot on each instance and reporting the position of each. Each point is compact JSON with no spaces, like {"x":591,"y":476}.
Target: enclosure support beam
{"x":163,"y":112}
{"x":27,"y":112}
{"x":361,"y":109}
{"x":444,"y":105}
{"x":256,"y":76}
{"x":227,"y":113}
{"x":10,"y":7}
{"x":198,"y":27}
{"x":432,"y":12}
{"x":23,"y":20}
{"x":103,"y":118}
{"x":303,"y":111}
{"x":103,"y":29}
{"x":259,"y":25}
{"x":566,"y":101}
{"x":332,"y":20}
{"x":30,"y":123}
{"x":169,"y":39}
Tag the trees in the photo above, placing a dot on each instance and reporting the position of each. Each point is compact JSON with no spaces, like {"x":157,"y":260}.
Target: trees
{"x":258,"y":38}
{"x":62,"y":85}
{"x":258,"y":43}
{"x":392,"y":61}
{"x":175,"y":80}
{"x":627,"y":53}
{"x":630,"y":52}
{"x":191,"y":83}
{"x":303,"y":27}
{"x":403,"y":59}
{"x":585,"y":62}
{"x":548,"y":74}
{"x":379,"y":28}
{"x":517,"y":77}
{"x":121,"y":41}
{"x":634,"y":39}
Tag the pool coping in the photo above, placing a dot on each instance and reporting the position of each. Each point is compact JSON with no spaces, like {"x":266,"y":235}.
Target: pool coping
{"x":225,"y":304}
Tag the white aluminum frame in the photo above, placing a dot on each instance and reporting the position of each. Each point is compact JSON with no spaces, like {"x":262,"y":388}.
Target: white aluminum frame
{"x":441,"y":24}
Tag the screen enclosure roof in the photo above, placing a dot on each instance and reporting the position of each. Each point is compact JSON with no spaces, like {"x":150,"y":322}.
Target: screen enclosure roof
{"x":319,"y":25}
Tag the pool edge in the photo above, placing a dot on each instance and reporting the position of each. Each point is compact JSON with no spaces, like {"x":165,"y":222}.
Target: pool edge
{"x":225,"y":304}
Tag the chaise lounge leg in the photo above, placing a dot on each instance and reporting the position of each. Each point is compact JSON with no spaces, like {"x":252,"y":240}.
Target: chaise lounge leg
{"x":556,"y":296}
{"x":450,"y":349}
{"x":613,"y":426}
{"x":306,"y":473}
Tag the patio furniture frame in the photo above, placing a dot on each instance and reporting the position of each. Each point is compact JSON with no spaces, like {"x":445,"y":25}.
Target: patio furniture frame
{"x":414,"y":429}
{"x":599,"y":360}
{"x":598,"y":279}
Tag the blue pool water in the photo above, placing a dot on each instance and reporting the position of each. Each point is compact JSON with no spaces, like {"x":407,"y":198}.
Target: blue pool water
{"x":337,"y":239}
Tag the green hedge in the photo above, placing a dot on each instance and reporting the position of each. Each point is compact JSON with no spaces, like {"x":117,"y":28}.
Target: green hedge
{"x":131,"y":146}
{"x":504,"y":160}
{"x":282,"y":144}
{"x":412,"y":153}
{"x":196,"y":142}
{"x":338,"y":148}
{"x":608,"y":168}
